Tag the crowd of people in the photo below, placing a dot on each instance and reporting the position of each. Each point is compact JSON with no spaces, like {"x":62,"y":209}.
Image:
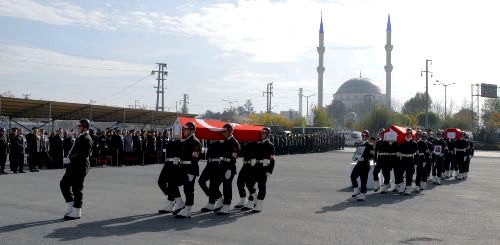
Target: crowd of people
{"x":427,"y":155}
{"x":308,"y":143}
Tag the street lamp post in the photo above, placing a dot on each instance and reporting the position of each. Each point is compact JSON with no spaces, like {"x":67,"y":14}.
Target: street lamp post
{"x":445,"y":87}
{"x":307,"y":103}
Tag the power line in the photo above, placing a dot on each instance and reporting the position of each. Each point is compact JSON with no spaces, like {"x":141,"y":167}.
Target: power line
{"x":122,"y":89}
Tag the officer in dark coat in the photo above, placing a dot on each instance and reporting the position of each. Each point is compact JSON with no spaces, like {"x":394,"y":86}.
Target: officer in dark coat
{"x":229,"y":150}
{"x":364,"y":153}
{"x":4,"y":148}
{"x":56,"y":151}
{"x":16,"y":151}
{"x":33,"y":148}
{"x":188,"y":168}
{"x":77,"y":166}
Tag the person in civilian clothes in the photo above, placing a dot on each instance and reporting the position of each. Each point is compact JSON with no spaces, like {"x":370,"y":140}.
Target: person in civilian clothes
{"x":4,"y":150}
{"x":362,"y":167}
{"x":189,"y":169}
{"x":56,"y":151}
{"x":77,"y":167}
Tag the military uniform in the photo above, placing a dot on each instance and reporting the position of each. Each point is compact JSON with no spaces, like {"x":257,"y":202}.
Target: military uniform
{"x":246,"y":175}
{"x":406,"y":166}
{"x":4,"y":147}
{"x":16,"y":152}
{"x":167,"y":179}
{"x":188,"y":170}
{"x":361,"y":170}
{"x":264,"y":168}
{"x":421,"y":162}
{"x":383,"y":162}
{"x":461,"y":149}
{"x":439,"y":150}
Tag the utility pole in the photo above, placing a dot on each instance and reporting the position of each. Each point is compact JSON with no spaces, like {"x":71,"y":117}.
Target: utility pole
{"x":300,"y":101}
{"x":269,"y":93}
{"x":445,"y":87}
{"x":184,"y":103}
{"x":26,"y":96}
{"x":427,"y":91}
{"x":230,"y":103}
{"x":307,"y":103}
{"x":160,"y":88}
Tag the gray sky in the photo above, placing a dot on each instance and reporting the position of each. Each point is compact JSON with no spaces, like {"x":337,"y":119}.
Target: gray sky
{"x":104,"y":51}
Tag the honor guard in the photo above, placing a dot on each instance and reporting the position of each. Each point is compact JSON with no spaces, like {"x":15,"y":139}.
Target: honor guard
{"x":77,"y":166}
{"x":364,"y":153}
{"x":461,"y":149}
{"x":439,"y":150}
{"x":407,"y":151}
{"x":383,"y":162}
{"x":423,"y":150}
{"x":246,"y":174}
{"x":229,"y":150}
{"x":263,"y":169}
{"x":170,"y":171}
{"x":469,"y":154}
{"x":209,"y":174}
{"x":450,"y":163}
{"x":188,"y":167}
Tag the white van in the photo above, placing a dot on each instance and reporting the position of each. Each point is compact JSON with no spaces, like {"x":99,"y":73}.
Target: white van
{"x":352,"y":138}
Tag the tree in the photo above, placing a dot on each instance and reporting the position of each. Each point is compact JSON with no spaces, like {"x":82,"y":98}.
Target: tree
{"x":7,"y":94}
{"x":269,"y":119}
{"x":462,"y":119}
{"x":380,"y":117}
{"x":321,"y":118}
{"x":433,"y":119}
{"x":416,"y":104}
{"x":245,"y":109}
{"x":336,"y":112}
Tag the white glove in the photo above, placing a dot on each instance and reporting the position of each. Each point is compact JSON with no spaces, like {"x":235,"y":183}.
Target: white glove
{"x":228,"y":174}
{"x":66,"y":160}
{"x":190,"y":177}
{"x":465,"y":159}
{"x":268,"y":174}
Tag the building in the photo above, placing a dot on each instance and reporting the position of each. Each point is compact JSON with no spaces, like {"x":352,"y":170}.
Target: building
{"x":359,"y":95}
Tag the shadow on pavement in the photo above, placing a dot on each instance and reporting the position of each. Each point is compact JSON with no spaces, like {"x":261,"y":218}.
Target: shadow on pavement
{"x":142,"y":223}
{"x":375,"y":199}
{"x":16,"y":227}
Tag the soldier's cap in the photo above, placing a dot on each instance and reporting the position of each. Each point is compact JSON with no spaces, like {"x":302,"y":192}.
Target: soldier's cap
{"x":227,"y":127}
{"x":14,"y":128}
{"x":419,"y":132}
{"x":365,"y":133}
{"x":131,"y":131}
{"x":409,"y":130}
{"x":33,"y":128}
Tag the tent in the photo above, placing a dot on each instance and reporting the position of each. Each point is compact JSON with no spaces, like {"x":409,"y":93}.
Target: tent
{"x":452,"y":133}
{"x":209,"y":129}
{"x":396,"y":133}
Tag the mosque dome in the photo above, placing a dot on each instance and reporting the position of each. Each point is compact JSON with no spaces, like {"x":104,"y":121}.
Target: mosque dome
{"x":358,"y":86}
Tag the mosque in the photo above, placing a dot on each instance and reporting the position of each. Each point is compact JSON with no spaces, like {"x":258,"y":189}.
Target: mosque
{"x":360,"y":94}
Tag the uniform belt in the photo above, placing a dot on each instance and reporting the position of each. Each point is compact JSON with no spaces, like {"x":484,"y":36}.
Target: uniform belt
{"x":214,"y":159}
{"x":185,"y":162}
{"x":421,"y":154}
{"x":461,"y":149}
{"x":264,"y":162}
{"x":406,"y":155}
{"x":384,"y":154}
{"x":251,"y":162}
{"x":226,"y":159}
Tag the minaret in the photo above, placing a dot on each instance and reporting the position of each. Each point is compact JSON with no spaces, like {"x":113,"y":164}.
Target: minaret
{"x":388,"y":65}
{"x":321,"y":68}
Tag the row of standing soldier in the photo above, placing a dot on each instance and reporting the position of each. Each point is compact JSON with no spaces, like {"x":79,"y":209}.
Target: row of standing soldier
{"x":439,"y":157}
{"x":308,"y":143}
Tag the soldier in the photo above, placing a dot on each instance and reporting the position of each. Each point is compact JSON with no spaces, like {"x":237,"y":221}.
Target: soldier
{"x":383,"y":162}
{"x":229,"y":151}
{"x":364,"y":153}
{"x":461,"y":149}
{"x":246,"y":175}
{"x":423,"y":150}
{"x":188,"y":168}
{"x":168,"y":175}
{"x":449,"y":164}
{"x":429,"y":139}
{"x":263,"y":169}
{"x":407,"y":151}
{"x":33,"y":148}
{"x":439,"y":149}
{"x":4,"y":145}
{"x":427,"y":161}
{"x":77,"y":166}
{"x":209,"y":173}
{"x":469,"y":154}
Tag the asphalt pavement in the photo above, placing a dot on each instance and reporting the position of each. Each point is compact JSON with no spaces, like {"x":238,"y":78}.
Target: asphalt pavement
{"x":308,"y":202}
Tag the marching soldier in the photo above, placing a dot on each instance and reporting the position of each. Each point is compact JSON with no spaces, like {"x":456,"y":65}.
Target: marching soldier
{"x":77,"y":166}
{"x":210,"y":173}
{"x":449,"y":164}
{"x":168,"y":175}
{"x":263,"y":169}
{"x":407,"y":151}
{"x":423,"y":150}
{"x":461,"y":149}
{"x":246,"y":175}
{"x":364,"y":153}
{"x":469,"y":154}
{"x":383,"y":162}
{"x":229,"y":151}
{"x":4,"y":147}
{"x":188,"y":168}
{"x":439,"y":149}
{"x":427,"y":161}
